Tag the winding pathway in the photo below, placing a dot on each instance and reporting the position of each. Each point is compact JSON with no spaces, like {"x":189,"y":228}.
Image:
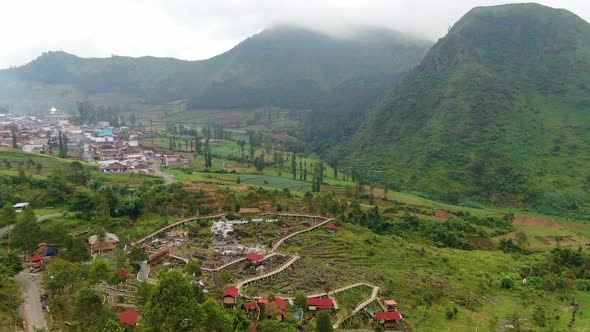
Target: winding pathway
{"x":31,"y":308}
{"x":167,"y":177}
{"x":268,"y":274}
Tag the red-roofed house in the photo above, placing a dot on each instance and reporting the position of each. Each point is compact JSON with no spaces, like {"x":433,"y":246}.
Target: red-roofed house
{"x":317,"y":304}
{"x":129,"y":317}
{"x":388,"y":318}
{"x":263,"y":301}
{"x":276,"y":309}
{"x":331,"y":228}
{"x":255,"y":259}
{"x":230,"y":296}
{"x":251,"y":306}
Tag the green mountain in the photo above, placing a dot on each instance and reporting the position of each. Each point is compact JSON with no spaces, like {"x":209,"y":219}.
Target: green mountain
{"x":286,"y":67}
{"x":498,"y":111}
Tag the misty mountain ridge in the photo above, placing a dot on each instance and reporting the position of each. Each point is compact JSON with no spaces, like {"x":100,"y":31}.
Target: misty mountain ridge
{"x":282,"y":66}
{"x":497,"y":110}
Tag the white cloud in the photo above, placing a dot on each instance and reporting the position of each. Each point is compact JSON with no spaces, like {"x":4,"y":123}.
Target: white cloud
{"x":201,"y":29}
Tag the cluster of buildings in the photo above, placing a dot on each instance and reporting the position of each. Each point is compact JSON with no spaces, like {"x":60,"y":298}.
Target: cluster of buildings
{"x":115,"y":150}
{"x":390,"y":317}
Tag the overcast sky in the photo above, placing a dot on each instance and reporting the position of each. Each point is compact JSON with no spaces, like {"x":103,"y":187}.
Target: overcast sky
{"x":200,"y":29}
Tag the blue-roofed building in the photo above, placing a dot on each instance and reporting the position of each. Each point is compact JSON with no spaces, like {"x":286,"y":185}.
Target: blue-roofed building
{"x":105,"y":132}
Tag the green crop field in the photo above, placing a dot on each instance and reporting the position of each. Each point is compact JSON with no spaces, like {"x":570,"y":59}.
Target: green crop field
{"x":275,"y":182}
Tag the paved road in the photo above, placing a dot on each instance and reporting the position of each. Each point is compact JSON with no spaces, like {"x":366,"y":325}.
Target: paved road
{"x":31,"y":309}
{"x":167,"y":177}
{"x":144,"y":272}
{"x":4,"y":230}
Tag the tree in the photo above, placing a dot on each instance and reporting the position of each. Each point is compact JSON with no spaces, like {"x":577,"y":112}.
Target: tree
{"x":63,"y":145}
{"x":173,"y":304}
{"x":113,"y":325}
{"x":242,"y":143}
{"x":88,"y":307}
{"x":208,"y":156}
{"x":14,"y":141}
{"x":521,"y":239}
{"x":7,"y":215}
{"x":294,"y":165}
{"x":300,"y":301}
{"x":323,"y":323}
{"x":271,"y":325}
{"x":99,"y":270}
{"x":216,"y":319}
{"x":193,"y":267}
{"x":137,"y":254}
{"x":26,"y":232}
{"x":10,"y":296}
{"x":62,"y":276}
{"x":10,"y":264}
{"x":77,"y":251}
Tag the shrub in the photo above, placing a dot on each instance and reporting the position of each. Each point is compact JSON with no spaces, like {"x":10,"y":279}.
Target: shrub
{"x":507,"y":283}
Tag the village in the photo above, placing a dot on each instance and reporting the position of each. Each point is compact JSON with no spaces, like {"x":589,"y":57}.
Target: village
{"x":114,"y":149}
{"x":222,"y":246}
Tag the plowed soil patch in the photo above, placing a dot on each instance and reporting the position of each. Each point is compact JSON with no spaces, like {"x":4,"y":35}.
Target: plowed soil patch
{"x":443,"y":213}
{"x":535,"y":222}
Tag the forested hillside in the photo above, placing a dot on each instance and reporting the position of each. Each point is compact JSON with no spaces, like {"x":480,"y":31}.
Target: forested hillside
{"x":497,"y":111}
{"x":286,"y":67}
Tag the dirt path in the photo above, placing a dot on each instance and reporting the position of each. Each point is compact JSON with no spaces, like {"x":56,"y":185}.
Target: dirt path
{"x":167,"y":177}
{"x":31,"y":309}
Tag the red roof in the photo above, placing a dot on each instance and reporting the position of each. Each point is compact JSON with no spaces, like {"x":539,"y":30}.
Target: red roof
{"x":331,"y":227}
{"x":36,"y":258}
{"x":322,"y":303}
{"x":388,"y":315}
{"x":281,"y":303}
{"x":123,"y":273}
{"x":253,"y":328}
{"x":254,"y":257}
{"x":129,"y":317}
{"x":231,"y":291}
{"x":263,"y":301}
{"x":251,"y":305}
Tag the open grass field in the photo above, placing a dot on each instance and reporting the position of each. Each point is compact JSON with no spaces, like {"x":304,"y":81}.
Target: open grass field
{"x":351,"y":298}
{"x":14,"y":157}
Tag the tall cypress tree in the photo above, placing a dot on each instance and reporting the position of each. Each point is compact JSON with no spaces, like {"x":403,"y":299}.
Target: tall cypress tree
{"x":294,"y":166}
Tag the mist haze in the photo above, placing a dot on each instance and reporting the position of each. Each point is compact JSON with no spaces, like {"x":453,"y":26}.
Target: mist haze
{"x":195,"y":30}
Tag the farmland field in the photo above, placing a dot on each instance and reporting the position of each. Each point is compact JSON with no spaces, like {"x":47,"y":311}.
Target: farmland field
{"x":275,"y":182}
